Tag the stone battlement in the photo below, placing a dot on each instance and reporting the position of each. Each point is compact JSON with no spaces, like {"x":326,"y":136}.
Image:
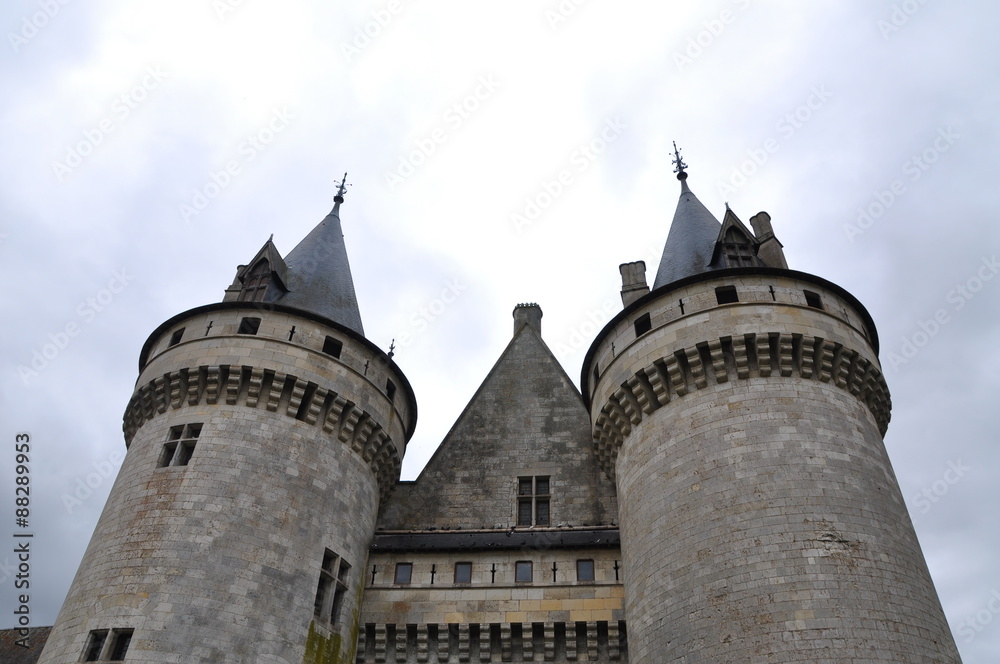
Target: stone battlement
{"x":770,"y":355}
{"x":278,"y":392}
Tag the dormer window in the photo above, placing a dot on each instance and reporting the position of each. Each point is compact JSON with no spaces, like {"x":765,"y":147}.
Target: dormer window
{"x":255,"y":282}
{"x":738,"y":250}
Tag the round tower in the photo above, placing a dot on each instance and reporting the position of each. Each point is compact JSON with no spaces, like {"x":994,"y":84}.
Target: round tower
{"x":740,"y":408}
{"x":262,"y":434}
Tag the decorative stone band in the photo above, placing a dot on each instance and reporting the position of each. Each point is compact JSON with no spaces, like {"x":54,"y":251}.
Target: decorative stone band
{"x":278,"y":392}
{"x":770,"y":355}
{"x":518,"y":642}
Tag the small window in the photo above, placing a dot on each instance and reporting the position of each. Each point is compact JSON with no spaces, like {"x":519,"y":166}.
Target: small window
{"x":541,"y":512}
{"x":642,"y":325}
{"x":95,"y":644}
{"x":331,"y":588}
{"x":813,"y":300}
{"x":107,"y":646}
{"x":180,"y":445}
{"x":463,"y":572}
{"x":404,"y":573}
{"x":585,"y":570}
{"x":533,"y":501}
{"x":175,"y":338}
{"x":119,"y":644}
{"x":524,"y":512}
{"x":249,"y":326}
{"x":726,"y":294}
{"x":522,"y":571}
{"x":390,"y":389}
{"x":332,"y":347}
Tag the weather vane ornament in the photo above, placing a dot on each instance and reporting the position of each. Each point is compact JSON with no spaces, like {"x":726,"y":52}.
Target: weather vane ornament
{"x":679,"y":164}
{"x":341,"y":189}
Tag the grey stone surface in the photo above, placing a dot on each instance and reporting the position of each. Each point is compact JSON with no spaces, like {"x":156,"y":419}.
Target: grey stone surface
{"x":526,"y":419}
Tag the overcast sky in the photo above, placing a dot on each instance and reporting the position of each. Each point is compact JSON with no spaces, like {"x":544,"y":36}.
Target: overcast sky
{"x":502,"y":154}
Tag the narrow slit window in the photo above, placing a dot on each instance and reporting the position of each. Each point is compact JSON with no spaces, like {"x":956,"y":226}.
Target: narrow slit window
{"x":642,"y":325}
{"x":813,"y":300}
{"x":390,"y":389}
{"x":333,"y":347}
{"x":726,"y":295}
{"x":249,"y":326}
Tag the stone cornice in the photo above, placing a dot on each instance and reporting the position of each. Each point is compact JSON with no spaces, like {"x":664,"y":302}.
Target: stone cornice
{"x":278,"y":392}
{"x":765,"y":355}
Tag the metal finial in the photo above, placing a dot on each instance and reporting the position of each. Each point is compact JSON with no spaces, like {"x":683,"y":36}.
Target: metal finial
{"x":679,"y":164}
{"x":341,"y":189}
{"x":392,"y":348}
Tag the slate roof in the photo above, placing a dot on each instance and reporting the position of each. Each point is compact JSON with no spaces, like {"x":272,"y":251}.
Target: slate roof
{"x":691,"y":240}
{"x":11,"y":653}
{"x":319,"y":275}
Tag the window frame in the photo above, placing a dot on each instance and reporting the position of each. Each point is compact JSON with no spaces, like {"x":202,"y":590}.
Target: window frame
{"x":593,"y":570}
{"x":534,"y":508}
{"x":524,"y":565}
{"x":466,"y":565}
{"x":409,"y":574}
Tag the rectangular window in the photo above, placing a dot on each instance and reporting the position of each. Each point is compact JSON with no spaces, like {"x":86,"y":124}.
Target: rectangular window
{"x":541,"y":512}
{"x":175,"y":338}
{"x":180,"y":445}
{"x":533,"y":501}
{"x":642,"y":325}
{"x":107,"y":646}
{"x":524,"y":512}
{"x":726,"y":295}
{"x":522,"y":571}
{"x":249,"y":326}
{"x":332,"y":347}
{"x":463,"y":572}
{"x":585,"y":570}
{"x":331,"y":588}
{"x":121,"y":638}
{"x":390,"y":389}
{"x":813,"y":300}
{"x":404,"y":573}
{"x":95,"y":644}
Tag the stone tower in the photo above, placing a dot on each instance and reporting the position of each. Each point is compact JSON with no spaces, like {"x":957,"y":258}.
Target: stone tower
{"x":263,"y":433}
{"x":740,"y":408}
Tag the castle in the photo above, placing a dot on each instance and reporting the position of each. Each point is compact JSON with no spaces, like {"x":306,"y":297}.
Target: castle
{"x":716,"y":491}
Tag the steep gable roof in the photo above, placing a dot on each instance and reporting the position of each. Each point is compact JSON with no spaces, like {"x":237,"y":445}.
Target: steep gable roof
{"x":526,"y":419}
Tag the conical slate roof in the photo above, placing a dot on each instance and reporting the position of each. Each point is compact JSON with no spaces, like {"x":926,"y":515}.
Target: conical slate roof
{"x":319,"y":275}
{"x":691,"y":239}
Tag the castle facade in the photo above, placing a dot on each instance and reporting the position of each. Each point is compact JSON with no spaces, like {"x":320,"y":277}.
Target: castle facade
{"x":717,"y":490}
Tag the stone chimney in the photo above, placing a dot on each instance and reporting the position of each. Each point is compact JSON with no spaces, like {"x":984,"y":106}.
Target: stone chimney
{"x":633,"y":281}
{"x":529,"y":314}
{"x":770,"y":249}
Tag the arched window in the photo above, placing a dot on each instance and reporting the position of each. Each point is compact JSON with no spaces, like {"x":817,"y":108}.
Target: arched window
{"x":255,"y":283}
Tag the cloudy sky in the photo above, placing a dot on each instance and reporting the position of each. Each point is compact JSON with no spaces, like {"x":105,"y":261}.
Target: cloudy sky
{"x":502,"y":154}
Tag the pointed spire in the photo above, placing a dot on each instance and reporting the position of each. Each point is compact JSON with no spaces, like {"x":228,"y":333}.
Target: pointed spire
{"x":692,"y":236}
{"x":319,"y":274}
